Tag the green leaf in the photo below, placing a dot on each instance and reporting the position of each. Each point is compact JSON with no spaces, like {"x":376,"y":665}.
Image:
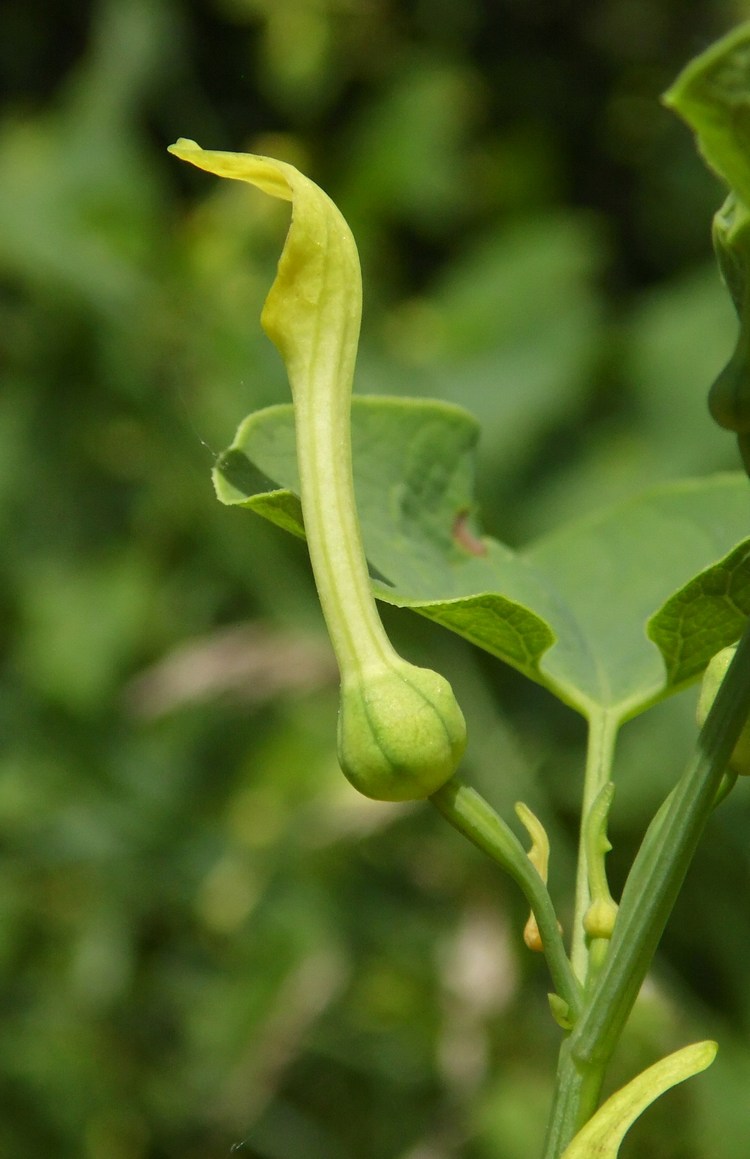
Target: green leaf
{"x":603,"y":1134}
{"x":713,"y":95}
{"x":664,"y":566}
{"x":611,"y":612}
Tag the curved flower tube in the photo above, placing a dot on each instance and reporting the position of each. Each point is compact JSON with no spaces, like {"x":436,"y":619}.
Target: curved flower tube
{"x":401,"y":733}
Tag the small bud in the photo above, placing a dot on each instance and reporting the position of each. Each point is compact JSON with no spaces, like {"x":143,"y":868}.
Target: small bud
{"x":560,"y":1011}
{"x":599,"y":919}
{"x":532,"y":937}
{"x":538,"y":855}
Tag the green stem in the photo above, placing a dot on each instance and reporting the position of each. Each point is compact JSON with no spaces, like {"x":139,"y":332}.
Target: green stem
{"x":577,"y":1092}
{"x":599,"y":919}
{"x":649,"y":895}
{"x":468,"y":812}
{"x":603,"y":728}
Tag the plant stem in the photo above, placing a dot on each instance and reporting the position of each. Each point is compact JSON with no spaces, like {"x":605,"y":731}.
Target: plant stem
{"x":603,"y":728}
{"x":468,"y":812}
{"x":576,"y":1097}
{"x":649,"y":895}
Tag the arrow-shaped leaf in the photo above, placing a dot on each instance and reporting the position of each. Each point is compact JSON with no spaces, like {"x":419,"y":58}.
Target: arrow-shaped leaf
{"x":612,"y":612}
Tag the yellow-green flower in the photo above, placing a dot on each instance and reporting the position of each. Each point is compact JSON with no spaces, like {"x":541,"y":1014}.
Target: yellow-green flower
{"x":401,"y":733}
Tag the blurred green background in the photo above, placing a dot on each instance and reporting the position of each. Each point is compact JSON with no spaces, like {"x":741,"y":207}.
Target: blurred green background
{"x":208,"y":944}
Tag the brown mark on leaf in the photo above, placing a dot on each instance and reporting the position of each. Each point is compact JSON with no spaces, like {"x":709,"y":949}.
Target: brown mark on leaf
{"x":464,"y":536}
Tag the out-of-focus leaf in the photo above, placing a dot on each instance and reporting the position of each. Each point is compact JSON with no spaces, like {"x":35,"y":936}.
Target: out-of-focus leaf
{"x":414,"y":131}
{"x":81,"y":625}
{"x":510,"y":332}
{"x":672,"y":343}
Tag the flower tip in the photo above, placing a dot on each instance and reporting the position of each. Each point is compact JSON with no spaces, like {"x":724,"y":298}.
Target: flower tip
{"x":184,"y":145}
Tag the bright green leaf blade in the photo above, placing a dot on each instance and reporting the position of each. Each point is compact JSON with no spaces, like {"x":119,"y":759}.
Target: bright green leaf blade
{"x":663,"y":565}
{"x":603,"y":1134}
{"x":714,"y":604}
{"x":613,"y":611}
{"x":712,"y":95}
{"x":264,"y":442}
{"x":414,"y":476}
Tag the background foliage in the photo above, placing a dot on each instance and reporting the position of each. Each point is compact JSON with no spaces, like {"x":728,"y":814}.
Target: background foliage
{"x":206,"y":939}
